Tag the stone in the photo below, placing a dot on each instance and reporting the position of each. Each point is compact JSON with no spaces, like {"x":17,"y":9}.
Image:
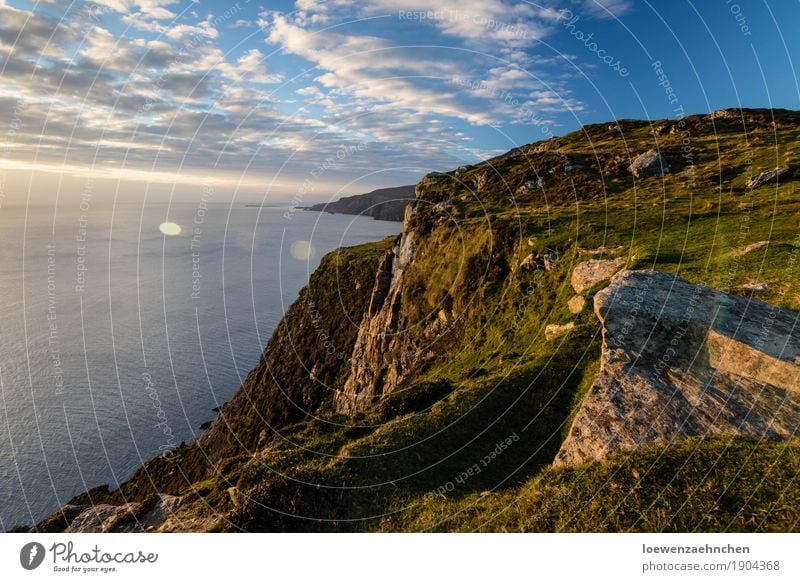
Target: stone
{"x":532,"y":261}
{"x":767,"y":177}
{"x":682,"y":360}
{"x":589,"y":273}
{"x":531,"y":186}
{"x":129,"y":517}
{"x":601,"y":251}
{"x":755,"y":286}
{"x":650,"y":163}
{"x":576,"y":304}
{"x":749,"y":248}
{"x":549,"y":259}
{"x":480,"y":180}
{"x":553,"y":331}
{"x":726,"y":114}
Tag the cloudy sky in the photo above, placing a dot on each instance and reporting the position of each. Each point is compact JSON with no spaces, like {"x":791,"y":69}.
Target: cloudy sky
{"x":327,"y":96}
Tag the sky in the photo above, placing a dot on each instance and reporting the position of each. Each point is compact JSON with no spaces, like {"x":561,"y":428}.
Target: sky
{"x":312,"y":99}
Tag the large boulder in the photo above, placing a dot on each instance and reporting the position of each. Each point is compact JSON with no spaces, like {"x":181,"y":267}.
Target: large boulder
{"x":682,"y":360}
{"x":589,"y":273}
{"x":650,"y":163}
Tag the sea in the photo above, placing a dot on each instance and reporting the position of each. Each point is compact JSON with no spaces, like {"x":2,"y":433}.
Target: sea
{"x":123,"y":326}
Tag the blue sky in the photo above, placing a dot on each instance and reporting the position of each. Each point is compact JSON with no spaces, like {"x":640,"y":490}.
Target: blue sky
{"x":307,"y":98}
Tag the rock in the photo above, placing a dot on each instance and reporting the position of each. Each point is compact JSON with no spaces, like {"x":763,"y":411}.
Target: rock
{"x":237,"y":499}
{"x":589,"y":273}
{"x":756,"y":286}
{"x":530,"y":186}
{"x":532,"y":261}
{"x":480,"y":180}
{"x":726,"y":114}
{"x":650,"y":163}
{"x":749,"y":248}
{"x":553,"y":331}
{"x":550,"y":258}
{"x":206,"y":425}
{"x":767,"y":176}
{"x":682,"y":360}
{"x":129,"y":517}
{"x":544,"y":261}
{"x":100,"y":518}
{"x":384,"y":353}
{"x":576,"y":304}
{"x":601,"y":251}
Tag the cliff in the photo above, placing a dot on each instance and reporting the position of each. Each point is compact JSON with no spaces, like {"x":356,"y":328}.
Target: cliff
{"x":381,"y":204}
{"x":453,"y":377}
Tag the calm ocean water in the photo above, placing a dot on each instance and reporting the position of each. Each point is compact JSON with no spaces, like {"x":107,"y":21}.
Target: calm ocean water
{"x":117,"y":341}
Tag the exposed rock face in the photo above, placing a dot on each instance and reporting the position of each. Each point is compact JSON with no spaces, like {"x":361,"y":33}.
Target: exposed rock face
{"x":130,"y":517}
{"x":683,"y":360}
{"x":767,"y":177}
{"x":589,"y":273}
{"x":650,"y":163}
{"x":381,"y":358}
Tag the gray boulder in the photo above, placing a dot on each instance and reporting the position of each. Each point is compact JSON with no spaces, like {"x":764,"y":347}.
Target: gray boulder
{"x":650,"y":163}
{"x":682,"y":360}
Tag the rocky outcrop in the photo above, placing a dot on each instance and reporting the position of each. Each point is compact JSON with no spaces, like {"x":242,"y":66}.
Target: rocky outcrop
{"x":768,"y":177}
{"x":682,"y":360}
{"x":589,"y":273}
{"x":381,"y":357}
{"x":128,"y":517}
{"x":650,"y":163}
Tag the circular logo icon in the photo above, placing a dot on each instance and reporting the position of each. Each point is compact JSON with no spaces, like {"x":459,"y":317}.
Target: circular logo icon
{"x":31,"y":555}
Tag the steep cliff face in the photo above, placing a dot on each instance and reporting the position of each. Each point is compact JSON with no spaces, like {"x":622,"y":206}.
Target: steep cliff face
{"x":307,"y":359}
{"x":682,"y":360}
{"x":381,"y":356}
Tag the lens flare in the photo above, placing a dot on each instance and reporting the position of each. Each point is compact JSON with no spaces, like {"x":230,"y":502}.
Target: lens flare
{"x":302,"y":250}
{"x":170,"y":228}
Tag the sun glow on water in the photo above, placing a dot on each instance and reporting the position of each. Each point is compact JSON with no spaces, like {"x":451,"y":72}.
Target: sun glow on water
{"x":170,"y":228}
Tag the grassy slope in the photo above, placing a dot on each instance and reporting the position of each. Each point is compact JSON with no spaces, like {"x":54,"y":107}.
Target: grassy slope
{"x":502,"y":379}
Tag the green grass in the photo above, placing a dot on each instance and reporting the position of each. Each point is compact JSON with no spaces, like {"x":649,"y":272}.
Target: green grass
{"x":712,"y":484}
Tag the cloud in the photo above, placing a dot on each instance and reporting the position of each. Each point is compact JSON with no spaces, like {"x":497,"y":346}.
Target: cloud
{"x":607,"y":8}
